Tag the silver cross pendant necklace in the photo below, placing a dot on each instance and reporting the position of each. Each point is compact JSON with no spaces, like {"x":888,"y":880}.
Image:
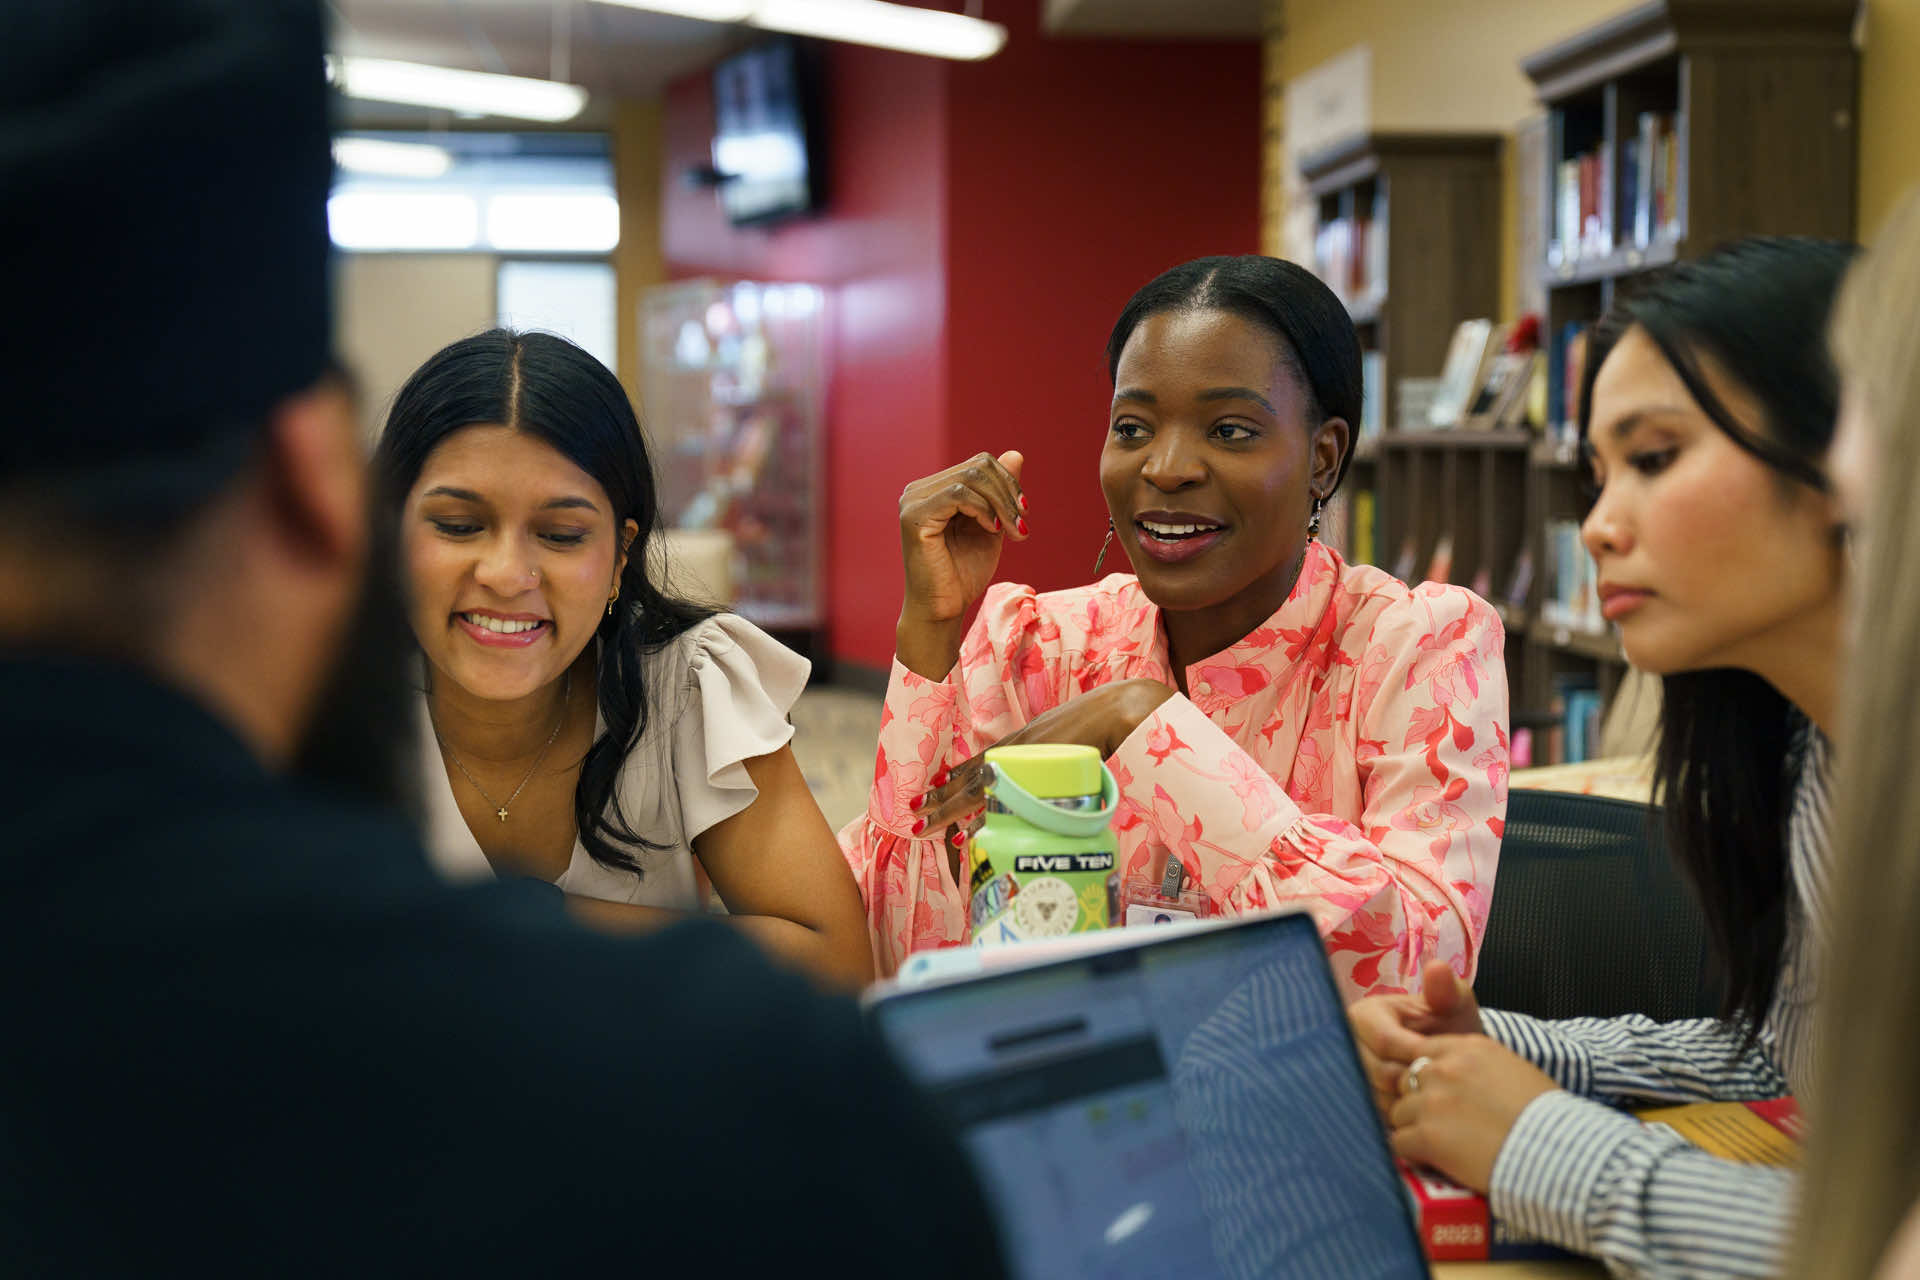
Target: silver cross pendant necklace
{"x":500,"y":810}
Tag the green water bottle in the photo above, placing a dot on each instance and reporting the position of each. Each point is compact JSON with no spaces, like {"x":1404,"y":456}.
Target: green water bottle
{"x":1043,"y":863}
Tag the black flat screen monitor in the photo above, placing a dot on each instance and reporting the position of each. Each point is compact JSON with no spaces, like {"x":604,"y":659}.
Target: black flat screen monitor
{"x":765,"y":133}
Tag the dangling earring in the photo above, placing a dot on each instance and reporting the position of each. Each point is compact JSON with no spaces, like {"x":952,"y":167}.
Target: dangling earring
{"x":612,"y":598}
{"x":1104,"y":544}
{"x":1313,"y":521}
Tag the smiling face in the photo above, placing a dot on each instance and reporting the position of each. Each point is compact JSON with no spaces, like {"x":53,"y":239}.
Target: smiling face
{"x":1210,"y":465}
{"x":1706,"y":556}
{"x":511,"y":553}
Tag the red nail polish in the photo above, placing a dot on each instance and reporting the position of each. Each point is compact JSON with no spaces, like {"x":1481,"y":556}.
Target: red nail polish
{"x":1023,"y":501}
{"x":960,"y":839}
{"x":919,"y":825}
{"x":940,"y":778}
{"x":1022,"y":527}
{"x":917,"y":801}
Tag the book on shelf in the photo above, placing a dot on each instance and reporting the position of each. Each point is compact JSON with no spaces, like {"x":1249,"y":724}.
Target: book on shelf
{"x":1522,"y":580}
{"x":1350,"y":254}
{"x":1362,"y":527}
{"x":1568,"y":598}
{"x":1566,"y":361}
{"x":1474,"y":345}
{"x":1502,"y":400}
{"x":1456,"y":1224}
{"x":1413,"y":403}
{"x":1655,"y":204}
{"x":1403,"y":563}
{"x":1482,"y":583}
{"x":1583,"y":209}
{"x":1564,"y":246}
{"x":1538,"y":387}
{"x":1373,"y":394}
{"x":1440,"y":568}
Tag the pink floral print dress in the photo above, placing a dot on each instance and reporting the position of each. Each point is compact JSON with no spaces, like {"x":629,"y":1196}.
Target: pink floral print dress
{"x":1348,"y":756}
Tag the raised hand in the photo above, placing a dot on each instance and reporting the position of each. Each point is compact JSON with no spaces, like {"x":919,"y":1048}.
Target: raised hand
{"x":952,"y":525}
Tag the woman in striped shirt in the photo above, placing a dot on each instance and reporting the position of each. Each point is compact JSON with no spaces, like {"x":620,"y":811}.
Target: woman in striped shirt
{"x":1707,"y":411}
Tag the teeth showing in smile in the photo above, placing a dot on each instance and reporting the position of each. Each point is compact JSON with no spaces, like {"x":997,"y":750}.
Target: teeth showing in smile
{"x":501,"y":625}
{"x":1159,"y":530}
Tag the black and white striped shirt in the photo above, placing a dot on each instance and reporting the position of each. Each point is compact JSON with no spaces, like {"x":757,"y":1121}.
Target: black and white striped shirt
{"x":1578,"y":1173}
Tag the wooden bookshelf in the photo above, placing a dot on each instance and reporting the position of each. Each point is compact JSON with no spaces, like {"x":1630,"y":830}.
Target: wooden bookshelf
{"x":1432,"y":205}
{"x":1755,"y":103}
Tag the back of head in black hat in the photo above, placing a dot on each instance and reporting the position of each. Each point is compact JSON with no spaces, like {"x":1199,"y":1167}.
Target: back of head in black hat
{"x":164,"y":167}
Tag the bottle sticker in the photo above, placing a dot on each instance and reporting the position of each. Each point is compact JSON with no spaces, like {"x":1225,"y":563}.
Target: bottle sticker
{"x":1046,"y":907}
{"x":1059,"y":863}
{"x":993,"y":898}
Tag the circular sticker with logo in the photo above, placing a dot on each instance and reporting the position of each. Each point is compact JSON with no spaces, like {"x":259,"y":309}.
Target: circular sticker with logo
{"x":1046,"y":907}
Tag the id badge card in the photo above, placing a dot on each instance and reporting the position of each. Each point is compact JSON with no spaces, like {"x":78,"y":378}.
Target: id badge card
{"x":1170,"y":901}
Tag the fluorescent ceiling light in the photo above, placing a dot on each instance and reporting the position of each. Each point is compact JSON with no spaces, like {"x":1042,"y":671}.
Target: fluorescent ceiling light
{"x":886,"y":26}
{"x":704,"y":10}
{"x":391,"y":159}
{"x":905,"y":27}
{"x":403,"y":220}
{"x":479,"y":93}
{"x":559,"y":222}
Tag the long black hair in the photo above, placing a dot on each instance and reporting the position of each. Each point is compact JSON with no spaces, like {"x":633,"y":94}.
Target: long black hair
{"x":1725,"y":765}
{"x":1316,"y":334}
{"x":548,"y":387}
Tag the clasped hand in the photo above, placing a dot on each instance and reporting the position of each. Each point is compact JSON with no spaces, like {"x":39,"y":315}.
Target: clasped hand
{"x":1455,"y":1112}
{"x":1101,"y":718}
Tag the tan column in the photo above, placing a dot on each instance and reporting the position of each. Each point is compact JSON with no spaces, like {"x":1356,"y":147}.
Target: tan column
{"x":639,"y":263}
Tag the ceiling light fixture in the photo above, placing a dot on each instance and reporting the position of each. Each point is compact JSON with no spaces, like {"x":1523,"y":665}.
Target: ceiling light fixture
{"x":479,"y":93}
{"x":704,"y":10}
{"x":903,"y":27}
{"x":387,"y":159}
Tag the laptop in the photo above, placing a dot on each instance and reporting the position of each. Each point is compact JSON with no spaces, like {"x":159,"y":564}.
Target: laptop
{"x":1187,"y":1102}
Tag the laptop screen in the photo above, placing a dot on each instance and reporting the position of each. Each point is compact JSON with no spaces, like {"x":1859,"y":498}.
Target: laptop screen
{"x":1190,"y":1106}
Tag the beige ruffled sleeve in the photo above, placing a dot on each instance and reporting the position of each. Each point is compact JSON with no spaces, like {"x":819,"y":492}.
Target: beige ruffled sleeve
{"x":742,"y":683}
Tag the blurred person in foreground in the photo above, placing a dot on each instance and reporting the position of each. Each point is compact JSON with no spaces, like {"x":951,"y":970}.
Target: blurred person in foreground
{"x":1862,"y":1177}
{"x":246,"y":1026}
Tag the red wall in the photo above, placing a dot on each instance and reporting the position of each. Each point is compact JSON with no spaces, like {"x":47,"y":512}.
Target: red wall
{"x":1078,"y":170}
{"x":985,"y":224}
{"x":879,"y":250}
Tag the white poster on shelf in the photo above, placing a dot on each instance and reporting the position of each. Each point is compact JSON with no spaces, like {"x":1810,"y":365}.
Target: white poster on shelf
{"x":1329,"y":104}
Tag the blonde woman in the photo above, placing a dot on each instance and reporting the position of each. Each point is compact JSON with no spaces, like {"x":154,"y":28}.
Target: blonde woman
{"x":1863,"y":1175}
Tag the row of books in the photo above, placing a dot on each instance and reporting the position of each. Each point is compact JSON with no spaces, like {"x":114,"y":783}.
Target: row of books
{"x":1568,"y":596}
{"x":1570,"y":731}
{"x":1594,"y":212}
{"x":1350,"y":255}
{"x":1650,"y":185}
{"x":1488,"y":381}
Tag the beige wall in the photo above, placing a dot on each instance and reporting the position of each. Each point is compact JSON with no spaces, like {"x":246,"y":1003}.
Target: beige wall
{"x":393,"y":310}
{"x":1889,"y":108}
{"x":1454,"y":65}
{"x":1438,"y":65}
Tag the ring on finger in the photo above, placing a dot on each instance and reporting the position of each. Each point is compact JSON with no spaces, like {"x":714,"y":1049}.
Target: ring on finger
{"x":1410,"y":1082}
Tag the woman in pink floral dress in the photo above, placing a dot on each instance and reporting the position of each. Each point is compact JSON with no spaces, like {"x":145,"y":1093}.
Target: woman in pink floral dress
{"x":1297,"y":731}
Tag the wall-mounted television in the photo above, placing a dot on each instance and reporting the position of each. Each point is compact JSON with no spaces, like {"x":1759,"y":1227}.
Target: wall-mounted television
{"x":766,"y":150}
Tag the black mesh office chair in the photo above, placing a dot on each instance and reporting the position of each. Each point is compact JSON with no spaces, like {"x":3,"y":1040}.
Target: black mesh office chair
{"x":1590,"y":917}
